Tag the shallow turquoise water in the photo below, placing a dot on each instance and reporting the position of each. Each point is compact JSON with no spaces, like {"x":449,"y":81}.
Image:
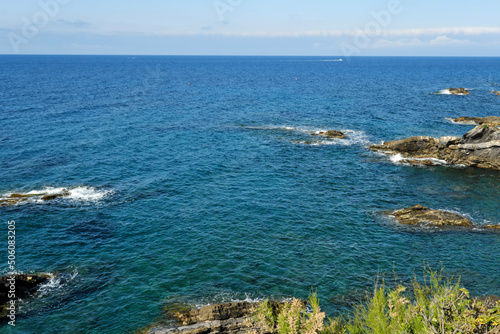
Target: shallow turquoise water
{"x":206,"y":192}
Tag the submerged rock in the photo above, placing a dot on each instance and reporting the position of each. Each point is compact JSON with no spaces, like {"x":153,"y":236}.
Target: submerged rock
{"x":419,"y":214}
{"x":479,"y":147}
{"x":490,"y":120}
{"x":25,"y":285}
{"x":496,"y":92}
{"x":459,"y":91}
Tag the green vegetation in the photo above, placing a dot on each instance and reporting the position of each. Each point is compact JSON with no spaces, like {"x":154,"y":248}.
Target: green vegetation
{"x":434,"y":306}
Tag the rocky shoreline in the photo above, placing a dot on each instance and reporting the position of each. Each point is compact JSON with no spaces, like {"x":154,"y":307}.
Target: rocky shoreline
{"x":480,"y":147}
{"x":421,"y":215}
{"x":230,"y":318}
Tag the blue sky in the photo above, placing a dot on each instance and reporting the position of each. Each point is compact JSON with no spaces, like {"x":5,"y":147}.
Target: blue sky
{"x":251,"y":27}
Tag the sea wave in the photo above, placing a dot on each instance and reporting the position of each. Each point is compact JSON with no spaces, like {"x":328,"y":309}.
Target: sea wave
{"x":451,"y":120}
{"x":399,"y":159}
{"x":72,"y":194}
{"x":56,"y":283}
{"x":448,"y":92}
{"x":353,"y":137}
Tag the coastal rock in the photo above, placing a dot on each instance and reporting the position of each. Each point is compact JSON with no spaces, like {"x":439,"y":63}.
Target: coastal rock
{"x":213,"y":312}
{"x":419,"y":214}
{"x":228,"y":318}
{"x":493,"y":227}
{"x":459,"y":91}
{"x":220,"y":318}
{"x":18,"y":198}
{"x":331,"y":134}
{"x":25,"y":285}
{"x":479,"y":147}
{"x":54,"y":196}
{"x":490,"y":120}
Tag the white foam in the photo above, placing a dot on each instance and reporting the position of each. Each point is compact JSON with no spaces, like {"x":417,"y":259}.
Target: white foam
{"x":451,"y":120}
{"x":448,"y":92}
{"x":396,"y":158}
{"x":76,"y":194}
{"x":55,"y":283}
{"x":399,"y":159}
{"x":87,"y":194}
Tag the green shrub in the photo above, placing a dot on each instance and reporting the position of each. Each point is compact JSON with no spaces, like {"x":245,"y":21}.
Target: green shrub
{"x":435,"y":306}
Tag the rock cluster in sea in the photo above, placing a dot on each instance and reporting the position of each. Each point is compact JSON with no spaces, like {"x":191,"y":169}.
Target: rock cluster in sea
{"x":479,"y":147}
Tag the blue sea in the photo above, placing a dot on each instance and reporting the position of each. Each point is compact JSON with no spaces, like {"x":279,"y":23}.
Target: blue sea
{"x":197,"y":180}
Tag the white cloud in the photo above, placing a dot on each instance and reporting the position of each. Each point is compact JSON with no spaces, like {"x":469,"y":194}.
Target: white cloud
{"x":445,"y":40}
{"x":384,"y":43}
{"x":468,"y":31}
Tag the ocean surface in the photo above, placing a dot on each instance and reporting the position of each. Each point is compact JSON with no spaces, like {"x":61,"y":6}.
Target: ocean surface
{"x":192,"y":180}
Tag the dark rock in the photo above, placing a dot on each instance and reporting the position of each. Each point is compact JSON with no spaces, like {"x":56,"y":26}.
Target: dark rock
{"x":419,"y":214}
{"x":25,"y":285}
{"x":18,"y":198}
{"x":54,"y":196}
{"x":459,"y":91}
{"x":331,"y":134}
{"x":479,"y":147}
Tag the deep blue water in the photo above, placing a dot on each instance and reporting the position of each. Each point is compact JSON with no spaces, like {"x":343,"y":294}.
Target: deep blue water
{"x":191,"y":181}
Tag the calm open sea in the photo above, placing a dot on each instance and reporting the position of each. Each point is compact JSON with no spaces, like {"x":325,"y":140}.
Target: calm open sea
{"x":190,"y":180}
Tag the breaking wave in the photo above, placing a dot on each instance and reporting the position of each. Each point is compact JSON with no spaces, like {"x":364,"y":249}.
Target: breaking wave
{"x":81,"y":194}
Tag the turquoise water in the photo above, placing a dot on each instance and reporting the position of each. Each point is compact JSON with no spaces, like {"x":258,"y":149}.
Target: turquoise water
{"x":191,"y":181}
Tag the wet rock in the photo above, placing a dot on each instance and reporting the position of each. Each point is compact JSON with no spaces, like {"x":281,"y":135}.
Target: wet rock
{"x":459,"y":91}
{"x":496,"y":92}
{"x":54,"y":196}
{"x":490,"y":120}
{"x":419,"y":214}
{"x":25,"y":285}
{"x":479,"y":147}
{"x":331,"y":134}
{"x":18,"y":198}
{"x":493,"y":227}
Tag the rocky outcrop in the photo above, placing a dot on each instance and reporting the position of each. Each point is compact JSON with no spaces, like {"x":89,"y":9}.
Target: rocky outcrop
{"x":23,"y":286}
{"x":492,"y":227}
{"x":229,"y":318}
{"x":19,"y":198}
{"x":330,"y":134}
{"x":419,"y":214}
{"x":479,"y":147}
{"x":489,"y":120}
{"x":221,"y":318}
{"x":459,"y":91}
{"x":496,"y":92}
